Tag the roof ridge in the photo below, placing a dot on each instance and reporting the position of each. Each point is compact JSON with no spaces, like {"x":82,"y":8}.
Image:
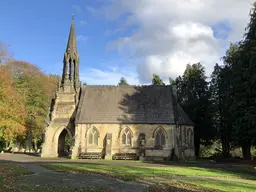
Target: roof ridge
{"x":127,"y":86}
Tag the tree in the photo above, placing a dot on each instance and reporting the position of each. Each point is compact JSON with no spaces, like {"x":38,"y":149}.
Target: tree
{"x":37,"y":89}
{"x":4,"y":54}
{"x":12,"y":108}
{"x":156,"y":80}
{"x":25,"y":94}
{"x":243,"y":84}
{"x":240,"y":59}
{"x":193,"y":95}
{"x":221,"y":97}
{"x":171,"y":81}
{"x":123,"y":81}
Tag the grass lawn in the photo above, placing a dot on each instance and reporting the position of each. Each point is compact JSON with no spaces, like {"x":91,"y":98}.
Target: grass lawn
{"x":203,"y":186}
{"x":225,"y":186}
{"x":10,"y":174}
{"x":167,"y":175}
{"x":129,"y":173}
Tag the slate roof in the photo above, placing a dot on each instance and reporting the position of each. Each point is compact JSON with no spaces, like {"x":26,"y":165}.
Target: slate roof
{"x":129,"y":104}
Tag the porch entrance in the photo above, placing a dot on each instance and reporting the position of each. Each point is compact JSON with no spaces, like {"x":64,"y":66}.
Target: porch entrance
{"x":64,"y":143}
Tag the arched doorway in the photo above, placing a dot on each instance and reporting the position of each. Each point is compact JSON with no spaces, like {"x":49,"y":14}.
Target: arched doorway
{"x":64,"y":143}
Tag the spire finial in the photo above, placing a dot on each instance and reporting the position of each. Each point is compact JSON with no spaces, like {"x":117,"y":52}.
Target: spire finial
{"x":71,"y":46}
{"x":73,"y":16}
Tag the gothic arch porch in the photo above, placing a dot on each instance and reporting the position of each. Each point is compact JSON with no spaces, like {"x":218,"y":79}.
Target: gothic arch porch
{"x":64,"y":143}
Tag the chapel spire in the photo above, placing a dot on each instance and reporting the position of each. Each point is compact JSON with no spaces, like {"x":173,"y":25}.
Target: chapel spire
{"x":71,"y":46}
{"x":70,"y":77}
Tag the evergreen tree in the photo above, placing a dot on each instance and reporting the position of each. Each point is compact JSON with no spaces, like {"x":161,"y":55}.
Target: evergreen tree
{"x":193,"y":95}
{"x":221,"y":98}
{"x":157,"y":80}
{"x":243,"y":83}
{"x":123,"y":81}
{"x":171,"y":81}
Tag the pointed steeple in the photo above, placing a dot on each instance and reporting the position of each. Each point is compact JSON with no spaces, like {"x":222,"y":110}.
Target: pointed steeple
{"x":70,"y":76}
{"x":71,"y":46}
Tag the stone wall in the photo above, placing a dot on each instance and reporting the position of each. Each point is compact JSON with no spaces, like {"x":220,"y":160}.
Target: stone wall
{"x":63,"y":110}
{"x":116,"y":130}
{"x":184,"y":142}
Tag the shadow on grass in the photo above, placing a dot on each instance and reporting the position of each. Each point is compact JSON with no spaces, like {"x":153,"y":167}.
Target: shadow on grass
{"x":28,"y":154}
{"x":150,"y":168}
{"x":178,"y":186}
{"x":225,"y":186}
{"x":128,"y":173}
{"x":242,"y":169}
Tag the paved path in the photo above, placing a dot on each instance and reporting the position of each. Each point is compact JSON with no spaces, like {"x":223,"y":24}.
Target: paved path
{"x":44,"y":177}
{"x":26,"y":158}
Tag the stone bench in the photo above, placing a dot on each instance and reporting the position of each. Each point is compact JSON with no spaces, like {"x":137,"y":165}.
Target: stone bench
{"x":90,"y":155}
{"x":125,"y":156}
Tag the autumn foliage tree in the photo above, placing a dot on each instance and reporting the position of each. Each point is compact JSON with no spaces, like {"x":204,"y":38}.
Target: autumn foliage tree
{"x":12,"y":108}
{"x":25,"y":94}
{"x":37,"y":90}
{"x":4,"y":54}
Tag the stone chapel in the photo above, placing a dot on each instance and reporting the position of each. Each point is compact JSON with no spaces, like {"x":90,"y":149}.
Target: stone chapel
{"x":115,"y":122}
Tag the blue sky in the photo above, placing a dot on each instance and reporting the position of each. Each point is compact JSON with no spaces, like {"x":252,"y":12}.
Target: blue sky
{"x":37,"y":32}
{"x":119,"y":38}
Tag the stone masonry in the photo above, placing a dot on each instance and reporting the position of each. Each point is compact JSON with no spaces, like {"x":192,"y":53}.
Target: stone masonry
{"x":115,"y":119}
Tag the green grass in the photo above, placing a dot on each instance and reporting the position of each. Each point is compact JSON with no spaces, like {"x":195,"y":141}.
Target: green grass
{"x":225,"y":186}
{"x":31,"y":188}
{"x":167,"y":176}
{"x":178,"y":186}
{"x":203,"y":186}
{"x":10,"y":174}
{"x":129,"y":173}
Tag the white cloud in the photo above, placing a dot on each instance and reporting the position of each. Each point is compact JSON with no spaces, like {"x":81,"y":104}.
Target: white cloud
{"x":81,"y":38}
{"x":90,"y":9}
{"x":173,"y":33}
{"x":83,"y":22}
{"x":111,"y":76}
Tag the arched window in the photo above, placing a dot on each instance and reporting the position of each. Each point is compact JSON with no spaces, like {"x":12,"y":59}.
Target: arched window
{"x":93,"y":137}
{"x":160,"y":138}
{"x":127,"y":137}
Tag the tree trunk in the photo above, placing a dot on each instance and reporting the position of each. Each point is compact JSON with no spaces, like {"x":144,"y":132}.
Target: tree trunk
{"x":35,"y":146}
{"x":197,"y":147}
{"x":225,"y":146}
{"x":246,"y":149}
